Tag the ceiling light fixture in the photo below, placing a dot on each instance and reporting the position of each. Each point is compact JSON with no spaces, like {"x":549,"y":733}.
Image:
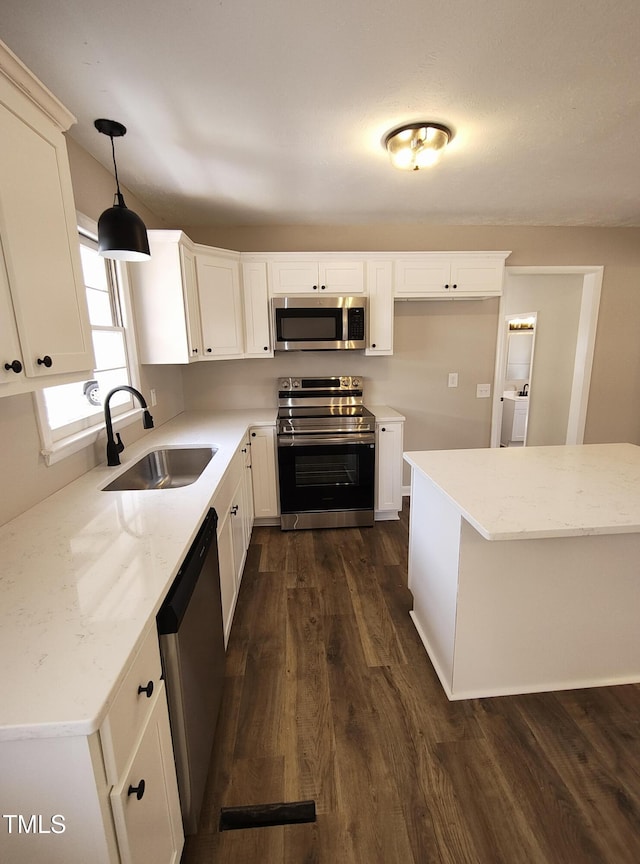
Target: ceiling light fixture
{"x":121,"y":232}
{"x":417,"y":145}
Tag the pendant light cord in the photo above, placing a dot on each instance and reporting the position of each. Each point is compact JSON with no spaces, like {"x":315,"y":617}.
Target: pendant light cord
{"x":115,"y":170}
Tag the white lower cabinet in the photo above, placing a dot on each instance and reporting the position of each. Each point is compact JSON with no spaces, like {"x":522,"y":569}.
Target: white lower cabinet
{"x":234,"y":505}
{"x":264,"y":473}
{"x":388,"y":493}
{"x":145,"y":804}
{"x":83,"y":796}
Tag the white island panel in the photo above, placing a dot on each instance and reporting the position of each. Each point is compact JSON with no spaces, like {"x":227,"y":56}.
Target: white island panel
{"x":554,"y":604}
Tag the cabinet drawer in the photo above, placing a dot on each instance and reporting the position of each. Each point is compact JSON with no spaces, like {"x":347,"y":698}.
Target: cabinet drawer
{"x":131,"y":707}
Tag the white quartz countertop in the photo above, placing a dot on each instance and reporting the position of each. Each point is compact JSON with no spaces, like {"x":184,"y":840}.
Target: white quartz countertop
{"x":384,"y":414}
{"x":84,"y":572}
{"x":516,"y":493}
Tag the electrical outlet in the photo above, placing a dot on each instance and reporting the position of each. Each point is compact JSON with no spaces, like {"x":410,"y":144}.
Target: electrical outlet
{"x":483,"y":391}
{"x":453,"y":379}
{"x":152,"y":397}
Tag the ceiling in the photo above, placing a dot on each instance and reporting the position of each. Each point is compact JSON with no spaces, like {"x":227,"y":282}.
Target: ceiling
{"x":258,"y":112}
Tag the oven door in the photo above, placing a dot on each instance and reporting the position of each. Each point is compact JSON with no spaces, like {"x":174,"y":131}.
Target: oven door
{"x":326,"y":480}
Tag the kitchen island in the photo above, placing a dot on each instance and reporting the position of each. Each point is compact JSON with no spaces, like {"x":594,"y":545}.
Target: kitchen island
{"x":523,"y":565}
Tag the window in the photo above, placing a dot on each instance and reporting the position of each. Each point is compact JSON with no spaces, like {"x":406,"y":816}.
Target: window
{"x":67,"y":410}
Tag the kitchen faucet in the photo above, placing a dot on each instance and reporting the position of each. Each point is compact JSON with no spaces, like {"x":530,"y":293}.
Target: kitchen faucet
{"x":115,"y":446}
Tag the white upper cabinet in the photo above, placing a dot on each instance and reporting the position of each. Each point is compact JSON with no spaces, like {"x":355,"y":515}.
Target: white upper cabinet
{"x":298,"y":275}
{"x":380,"y":311}
{"x":255,"y":295}
{"x":455,"y":274}
{"x":187,"y":301}
{"x":164,"y":292}
{"x":42,"y":295}
{"x":218,"y":277}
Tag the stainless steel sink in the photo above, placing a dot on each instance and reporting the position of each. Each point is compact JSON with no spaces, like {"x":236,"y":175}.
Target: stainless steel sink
{"x":168,"y":468}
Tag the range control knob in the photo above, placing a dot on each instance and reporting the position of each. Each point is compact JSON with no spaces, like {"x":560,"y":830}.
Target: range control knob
{"x":285,"y":384}
{"x":295,"y":383}
{"x":355,"y":382}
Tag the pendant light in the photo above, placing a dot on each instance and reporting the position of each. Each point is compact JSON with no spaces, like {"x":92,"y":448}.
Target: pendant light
{"x":121,"y":232}
{"x":417,"y":145}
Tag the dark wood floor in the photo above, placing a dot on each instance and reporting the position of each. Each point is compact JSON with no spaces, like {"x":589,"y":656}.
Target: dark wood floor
{"x":330,"y":696}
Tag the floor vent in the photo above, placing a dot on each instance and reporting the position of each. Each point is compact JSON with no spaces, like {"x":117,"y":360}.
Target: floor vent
{"x":264,"y":815}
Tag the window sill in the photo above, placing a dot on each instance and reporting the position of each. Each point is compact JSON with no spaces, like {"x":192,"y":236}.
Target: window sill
{"x":66,"y":447}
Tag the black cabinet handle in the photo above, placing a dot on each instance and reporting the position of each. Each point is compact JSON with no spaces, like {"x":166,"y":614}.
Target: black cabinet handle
{"x":266,"y":348}
{"x":315,"y":287}
{"x":373,"y":345}
{"x":384,"y":429}
{"x":253,"y":434}
{"x":194,"y":350}
{"x":148,"y":689}
{"x":209,"y":350}
{"x":234,"y":509}
{"x":15,"y":366}
{"x":138,"y":790}
{"x":323,"y":287}
{"x":454,"y":287}
{"x":45,"y":361}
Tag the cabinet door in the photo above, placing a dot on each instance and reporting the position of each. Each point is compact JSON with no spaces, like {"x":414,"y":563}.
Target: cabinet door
{"x":247,"y":493}
{"x":228,"y":588}
{"x":238,"y":508}
{"x":220,"y":306}
{"x":476,"y":275}
{"x":191,"y":303}
{"x":423,"y":275}
{"x":380,"y":288}
{"x":149,"y":824}
{"x":264,"y":473}
{"x":39,"y":240}
{"x":256,"y":311}
{"x":294,"y":277}
{"x":389,"y":466}
{"x":341,"y":277}
{"x":10,"y":355}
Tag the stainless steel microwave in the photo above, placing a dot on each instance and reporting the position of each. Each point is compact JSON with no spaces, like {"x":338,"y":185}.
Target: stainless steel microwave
{"x":326,"y":323}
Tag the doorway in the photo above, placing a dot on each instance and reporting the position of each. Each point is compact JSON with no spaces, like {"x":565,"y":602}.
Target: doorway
{"x":566,"y":300}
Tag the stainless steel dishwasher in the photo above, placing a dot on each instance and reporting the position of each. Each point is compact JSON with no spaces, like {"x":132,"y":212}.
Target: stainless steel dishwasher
{"x":193,"y":655}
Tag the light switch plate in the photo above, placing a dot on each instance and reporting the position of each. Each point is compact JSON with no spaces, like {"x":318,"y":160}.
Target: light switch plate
{"x":453,"y":379}
{"x":483,"y":391}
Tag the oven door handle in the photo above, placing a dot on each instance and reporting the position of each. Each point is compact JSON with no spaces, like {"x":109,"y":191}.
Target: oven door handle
{"x":302,"y":440}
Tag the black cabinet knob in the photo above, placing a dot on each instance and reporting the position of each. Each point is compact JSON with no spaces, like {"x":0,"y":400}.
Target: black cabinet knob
{"x":253,"y":434}
{"x":194,"y":350}
{"x":15,"y":366}
{"x":323,"y":287}
{"x":45,"y":361}
{"x":373,"y":345}
{"x":446,"y":287}
{"x":148,"y":689}
{"x":315,"y":287}
{"x":383,"y":429}
{"x":266,"y":348}
{"x":454,"y":287}
{"x":209,"y":350}
{"x":138,"y":790}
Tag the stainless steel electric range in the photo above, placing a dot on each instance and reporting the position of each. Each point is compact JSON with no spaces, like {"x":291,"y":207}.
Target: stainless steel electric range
{"x":326,"y":453}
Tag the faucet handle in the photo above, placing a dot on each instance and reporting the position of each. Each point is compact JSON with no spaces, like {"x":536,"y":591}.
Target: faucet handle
{"x":119,"y":444}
